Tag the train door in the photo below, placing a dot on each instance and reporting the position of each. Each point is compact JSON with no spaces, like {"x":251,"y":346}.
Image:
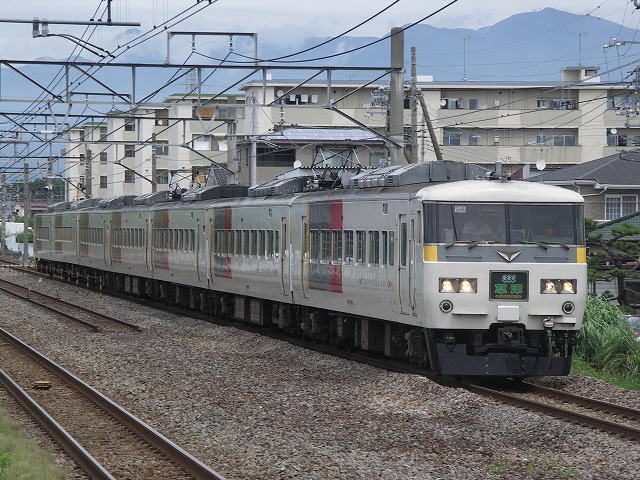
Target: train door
{"x":283,"y":257}
{"x":107,"y":243}
{"x":304,"y":254}
{"x":147,"y":246}
{"x":77,"y":237}
{"x":406,"y":227}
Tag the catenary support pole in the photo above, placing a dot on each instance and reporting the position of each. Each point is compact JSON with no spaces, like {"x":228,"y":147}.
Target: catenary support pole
{"x":414,"y":107}
{"x":396,"y":95}
{"x":27,"y":214}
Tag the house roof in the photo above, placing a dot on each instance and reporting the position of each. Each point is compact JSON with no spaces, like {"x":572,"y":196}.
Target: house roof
{"x":619,"y":170}
{"x":348,"y":136}
{"x":606,"y":228}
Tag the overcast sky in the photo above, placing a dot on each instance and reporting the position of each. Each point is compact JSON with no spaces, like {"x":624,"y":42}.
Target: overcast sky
{"x":285,"y":21}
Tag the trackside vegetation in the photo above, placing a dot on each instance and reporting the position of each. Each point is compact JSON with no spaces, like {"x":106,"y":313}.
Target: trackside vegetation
{"x":21,"y":458}
{"x":607,"y":344}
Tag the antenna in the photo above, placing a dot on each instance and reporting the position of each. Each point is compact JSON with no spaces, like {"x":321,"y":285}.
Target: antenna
{"x":464,"y":74}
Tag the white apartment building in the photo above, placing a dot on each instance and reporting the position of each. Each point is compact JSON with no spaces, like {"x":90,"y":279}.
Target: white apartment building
{"x":567,"y":122}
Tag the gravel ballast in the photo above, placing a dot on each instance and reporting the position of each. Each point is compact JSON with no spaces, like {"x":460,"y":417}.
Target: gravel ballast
{"x":256,"y":408}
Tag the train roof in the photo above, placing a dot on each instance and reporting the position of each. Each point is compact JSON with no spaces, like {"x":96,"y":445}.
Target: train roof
{"x":498,"y":191}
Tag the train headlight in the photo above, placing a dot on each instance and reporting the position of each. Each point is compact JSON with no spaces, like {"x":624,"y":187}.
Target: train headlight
{"x":557,"y":286}
{"x":567,"y":287}
{"x":446,"y":285}
{"x":467,"y":286}
{"x":458,"y":285}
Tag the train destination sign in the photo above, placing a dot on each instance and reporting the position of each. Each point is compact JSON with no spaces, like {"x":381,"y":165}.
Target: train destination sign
{"x":509,"y":285}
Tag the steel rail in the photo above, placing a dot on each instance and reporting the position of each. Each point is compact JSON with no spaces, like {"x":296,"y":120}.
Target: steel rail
{"x":178,"y":455}
{"x":70,"y":445}
{"x":561,"y":413}
{"x":27,"y":296}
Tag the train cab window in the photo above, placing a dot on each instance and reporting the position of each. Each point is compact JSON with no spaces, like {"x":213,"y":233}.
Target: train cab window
{"x":270,"y":250}
{"x":336,"y":247}
{"x":361,"y":247}
{"x":403,"y":244}
{"x":325,"y":246}
{"x":374,"y":248}
{"x":254,"y":243}
{"x":348,"y":247}
{"x":385,"y":248}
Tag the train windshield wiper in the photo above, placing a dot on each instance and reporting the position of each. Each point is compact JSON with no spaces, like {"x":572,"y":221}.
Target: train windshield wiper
{"x":469,"y":243}
{"x":556,"y":243}
{"x":540,"y":244}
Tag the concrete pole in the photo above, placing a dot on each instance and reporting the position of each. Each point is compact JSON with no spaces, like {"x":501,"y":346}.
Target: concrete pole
{"x":27,"y":215}
{"x":232,"y":139}
{"x":432,"y":133}
{"x":414,"y":107}
{"x":88,"y":175}
{"x":396,"y":96}
{"x":3,"y":211}
{"x":50,"y":181}
{"x":253,"y":131}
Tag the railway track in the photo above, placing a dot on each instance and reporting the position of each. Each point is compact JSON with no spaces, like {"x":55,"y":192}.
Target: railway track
{"x":608,"y":417}
{"x":91,"y":319}
{"x":103,"y":438}
{"x":590,"y":412}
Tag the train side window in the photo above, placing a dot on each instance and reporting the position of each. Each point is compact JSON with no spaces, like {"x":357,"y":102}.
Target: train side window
{"x":360,"y":247}
{"x":254,"y":243}
{"x":245,"y":242}
{"x":276,"y":245}
{"x":238,"y":242}
{"x":232,"y":242}
{"x":193,"y":239}
{"x":314,"y":238}
{"x":374,"y":248}
{"x":348,"y":247}
{"x":180,"y":245}
{"x":225,"y":242}
{"x":325,"y":246}
{"x":403,"y":244}
{"x":175,"y":239}
{"x":385,"y":248}
{"x":392,"y":246}
{"x":261,"y":243}
{"x":270,"y":250}
{"x":336,"y":246}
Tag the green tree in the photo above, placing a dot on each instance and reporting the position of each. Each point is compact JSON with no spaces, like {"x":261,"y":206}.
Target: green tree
{"x":614,"y":258}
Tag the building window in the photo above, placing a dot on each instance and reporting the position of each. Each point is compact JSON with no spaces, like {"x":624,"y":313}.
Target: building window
{"x":103,"y":134}
{"x":103,"y":181}
{"x":283,"y":157}
{"x":564,"y":140}
{"x":103,"y":158}
{"x":129,"y":176}
{"x":474,"y":139}
{"x":130,"y":126}
{"x":129,"y":150}
{"x":450,"y":103}
{"x":617,"y":140}
{"x":162,"y":177}
{"x":161,"y":149}
{"x":201,"y":142}
{"x":473,"y":104}
{"x":452,"y":138}
{"x":82,"y":159}
{"x":616,"y":206}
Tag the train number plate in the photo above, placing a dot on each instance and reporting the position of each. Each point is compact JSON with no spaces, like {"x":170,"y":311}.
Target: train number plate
{"x":509,"y":285}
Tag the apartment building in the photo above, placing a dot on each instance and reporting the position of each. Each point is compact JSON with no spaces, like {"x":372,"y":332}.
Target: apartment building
{"x":576,"y":119}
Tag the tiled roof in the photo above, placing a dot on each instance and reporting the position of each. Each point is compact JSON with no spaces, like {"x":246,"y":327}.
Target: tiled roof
{"x":606,"y":228}
{"x":612,"y":170}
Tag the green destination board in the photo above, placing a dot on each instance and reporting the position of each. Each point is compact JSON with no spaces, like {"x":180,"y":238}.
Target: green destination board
{"x":509,"y":286}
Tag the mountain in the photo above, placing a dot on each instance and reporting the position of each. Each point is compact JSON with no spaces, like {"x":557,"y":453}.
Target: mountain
{"x":526,"y":46}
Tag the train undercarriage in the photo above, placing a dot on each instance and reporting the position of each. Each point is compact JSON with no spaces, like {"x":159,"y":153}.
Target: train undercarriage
{"x":504,"y":350}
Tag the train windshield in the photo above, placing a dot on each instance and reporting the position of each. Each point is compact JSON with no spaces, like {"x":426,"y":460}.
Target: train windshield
{"x":504,"y":223}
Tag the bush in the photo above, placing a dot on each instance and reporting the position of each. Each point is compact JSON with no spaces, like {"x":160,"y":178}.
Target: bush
{"x":607,"y":341}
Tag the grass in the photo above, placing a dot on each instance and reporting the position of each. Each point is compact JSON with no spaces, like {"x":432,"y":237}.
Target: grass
{"x":22,"y":459}
{"x":606,"y":341}
{"x":580,"y":367}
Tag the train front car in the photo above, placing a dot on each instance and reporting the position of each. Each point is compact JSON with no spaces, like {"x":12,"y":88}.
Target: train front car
{"x":504,"y":277}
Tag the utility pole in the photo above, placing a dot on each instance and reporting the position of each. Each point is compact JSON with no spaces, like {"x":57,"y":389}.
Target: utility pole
{"x":396,"y":95}
{"x":253,"y":131}
{"x":27,"y":214}
{"x":3,"y":211}
{"x":88,"y":175}
{"x":414,"y":107}
{"x":154,"y":163}
{"x":232,"y":139}
{"x":432,"y":133}
{"x":50,"y":181}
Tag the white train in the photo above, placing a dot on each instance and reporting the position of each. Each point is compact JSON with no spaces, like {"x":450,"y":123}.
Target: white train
{"x":475,"y":277}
